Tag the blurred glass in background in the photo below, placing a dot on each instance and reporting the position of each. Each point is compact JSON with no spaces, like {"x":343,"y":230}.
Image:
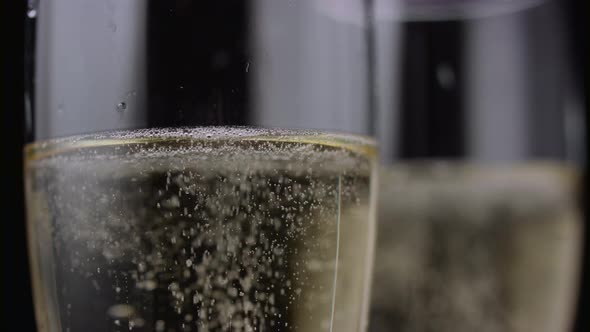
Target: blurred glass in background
{"x":481,"y":134}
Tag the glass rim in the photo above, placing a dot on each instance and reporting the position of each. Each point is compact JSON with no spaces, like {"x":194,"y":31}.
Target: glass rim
{"x":357,"y":143}
{"x":450,"y":10}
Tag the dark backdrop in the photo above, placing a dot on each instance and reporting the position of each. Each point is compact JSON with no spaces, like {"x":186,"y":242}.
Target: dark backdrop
{"x":18,"y":314}
{"x":16,"y":292}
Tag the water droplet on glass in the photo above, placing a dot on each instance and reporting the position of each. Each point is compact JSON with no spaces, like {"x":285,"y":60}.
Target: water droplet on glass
{"x":247,"y":66}
{"x":122,"y":106}
{"x":31,"y":13}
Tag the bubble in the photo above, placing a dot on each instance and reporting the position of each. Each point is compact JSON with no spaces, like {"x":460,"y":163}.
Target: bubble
{"x":121,"y":311}
{"x":160,"y":325}
{"x":150,"y":285}
{"x":139,"y":322}
{"x":172,"y":202}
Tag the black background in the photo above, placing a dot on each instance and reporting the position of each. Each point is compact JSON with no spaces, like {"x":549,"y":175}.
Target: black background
{"x":18,"y":312}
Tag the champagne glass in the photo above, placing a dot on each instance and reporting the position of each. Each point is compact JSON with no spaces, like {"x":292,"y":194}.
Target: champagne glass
{"x":199,"y":165}
{"x":482,"y":145}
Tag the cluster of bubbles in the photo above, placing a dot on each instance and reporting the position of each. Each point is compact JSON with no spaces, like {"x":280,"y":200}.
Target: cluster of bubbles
{"x":197,"y":230}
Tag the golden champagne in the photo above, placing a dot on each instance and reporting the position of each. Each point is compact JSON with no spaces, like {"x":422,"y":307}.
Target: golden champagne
{"x":206,"y":229}
{"x":477,"y":248}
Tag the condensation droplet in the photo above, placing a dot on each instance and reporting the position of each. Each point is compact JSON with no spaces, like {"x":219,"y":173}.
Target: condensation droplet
{"x":31,"y":13}
{"x":122,"y":107}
